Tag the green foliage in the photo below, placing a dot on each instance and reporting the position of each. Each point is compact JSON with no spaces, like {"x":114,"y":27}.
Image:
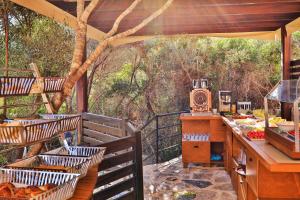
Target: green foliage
{"x":162,"y":80}
{"x":33,"y":38}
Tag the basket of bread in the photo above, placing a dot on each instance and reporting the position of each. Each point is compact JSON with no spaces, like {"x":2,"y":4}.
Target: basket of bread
{"x":94,"y":153}
{"x":22,"y":132}
{"x":36,"y":185}
{"x":66,"y":122}
{"x":54,"y":163}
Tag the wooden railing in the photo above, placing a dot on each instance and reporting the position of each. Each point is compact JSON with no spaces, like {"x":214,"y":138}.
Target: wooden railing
{"x":120,"y":174}
{"x":294,"y":69}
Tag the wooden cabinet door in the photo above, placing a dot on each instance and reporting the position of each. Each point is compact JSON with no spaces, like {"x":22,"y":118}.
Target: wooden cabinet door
{"x":251,"y":170}
{"x":195,"y":152}
{"x":242,"y":188}
{"x":234,"y":175}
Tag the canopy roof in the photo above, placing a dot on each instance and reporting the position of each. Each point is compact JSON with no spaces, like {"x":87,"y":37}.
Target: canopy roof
{"x":225,"y":18}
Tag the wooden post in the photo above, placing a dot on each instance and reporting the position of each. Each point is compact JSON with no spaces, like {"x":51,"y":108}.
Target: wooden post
{"x":37,"y":74}
{"x":285,"y":63}
{"x":139,"y":185}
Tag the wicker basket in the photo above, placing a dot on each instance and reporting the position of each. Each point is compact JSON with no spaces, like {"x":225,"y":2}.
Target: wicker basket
{"x":14,"y":86}
{"x":27,"y":131}
{"x":95,"y":153}
{"x":53,"y":84}
{"x":66,"y":182}
{"x":66,"y":122}
{"x":72,"y":164}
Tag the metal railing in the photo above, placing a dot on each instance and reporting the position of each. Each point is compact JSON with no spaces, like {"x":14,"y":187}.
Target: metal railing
{"x":161,"y":138}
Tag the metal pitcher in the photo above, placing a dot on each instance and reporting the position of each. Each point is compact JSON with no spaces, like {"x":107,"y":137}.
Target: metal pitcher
{"x":196,"y":84}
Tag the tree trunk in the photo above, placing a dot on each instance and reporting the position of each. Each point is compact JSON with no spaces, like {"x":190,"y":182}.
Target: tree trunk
{"x":6,"y":30}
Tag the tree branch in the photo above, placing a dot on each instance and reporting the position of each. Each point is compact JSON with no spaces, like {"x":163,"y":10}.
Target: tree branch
{"x":89,"y":9}
{"x":99,"y":49}
{"x":121,"y":17}
{"x":77,"y":71}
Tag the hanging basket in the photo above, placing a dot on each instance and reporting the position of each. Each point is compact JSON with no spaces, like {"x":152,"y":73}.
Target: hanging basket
{"x":53,"y":84}
{"x":66,"y":122}
{"x":14,"y":86}
{"x":27,"y":131}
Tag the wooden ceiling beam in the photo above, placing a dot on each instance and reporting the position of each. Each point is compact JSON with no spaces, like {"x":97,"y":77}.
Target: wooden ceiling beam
{"x":193,"y":6}
{"x":179,"y":22}
{"x":196,"y":30}
{"x":211,"y":18}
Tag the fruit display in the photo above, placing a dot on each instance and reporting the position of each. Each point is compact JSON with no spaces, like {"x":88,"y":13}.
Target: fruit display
{"x":273,"y":121}
{"x":259,"y":113}
{"x":256,"y":135}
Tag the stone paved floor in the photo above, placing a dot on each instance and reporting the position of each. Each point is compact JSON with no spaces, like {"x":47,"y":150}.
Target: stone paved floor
{"x":168,"y":180}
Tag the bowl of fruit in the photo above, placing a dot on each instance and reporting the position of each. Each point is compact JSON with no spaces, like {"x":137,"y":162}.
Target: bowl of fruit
{"x":256,"y":135}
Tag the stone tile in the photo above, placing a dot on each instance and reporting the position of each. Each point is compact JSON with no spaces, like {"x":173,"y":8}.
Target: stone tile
{"x":222,"y":179}
{"x":206,"y":195}
{"x":203,"y":175}
{"x":163,"y":181}
{"x":198,"y":183}
{"x":228,"y":196}
{"x":225,"y":186}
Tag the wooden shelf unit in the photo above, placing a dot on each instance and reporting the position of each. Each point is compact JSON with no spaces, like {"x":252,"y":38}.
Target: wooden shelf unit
{"x":200,"y":151}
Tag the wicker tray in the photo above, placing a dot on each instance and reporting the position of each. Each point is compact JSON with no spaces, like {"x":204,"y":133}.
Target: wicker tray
{"x":13,"y":86}
{"x":66,"y":122}
{"x":95,"y":153}
{"x":27,"y":131}
{"x":53,"y":84}
{"x":71,"y":164}
{"x":66,"y":182}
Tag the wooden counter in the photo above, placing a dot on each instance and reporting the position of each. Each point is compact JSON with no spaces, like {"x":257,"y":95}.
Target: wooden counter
{"x":269,"y":174}
{"x":86,"y":185}
{"x":273,"y":159}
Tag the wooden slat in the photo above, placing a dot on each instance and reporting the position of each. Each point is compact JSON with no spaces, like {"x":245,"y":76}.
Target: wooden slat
{"x":294,"y":70}
{"x":116,"y":160}
{"x":102,"y":128}
{"x":294,"y":76}
{"x":99,"y":136}
{"x":128,"y":196}
{"x":92,"y":141}
{"x":119,"y":144}
{"x":115,"y":175}
{"x":115,"y":189}
{"x":294,"y":63}
{"x":101,"y":119}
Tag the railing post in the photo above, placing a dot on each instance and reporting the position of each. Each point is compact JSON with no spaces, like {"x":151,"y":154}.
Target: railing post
{"x":139,"y":167}
{"x":157,"y":135}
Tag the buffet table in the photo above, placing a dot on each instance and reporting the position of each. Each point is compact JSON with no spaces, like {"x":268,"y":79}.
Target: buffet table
{"x":268,"y":173}
{"x":86,"y":185}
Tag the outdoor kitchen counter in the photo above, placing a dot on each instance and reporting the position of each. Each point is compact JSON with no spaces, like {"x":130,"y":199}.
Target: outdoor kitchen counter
{"x":269,"y":156}
{"x":86,"y":185}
